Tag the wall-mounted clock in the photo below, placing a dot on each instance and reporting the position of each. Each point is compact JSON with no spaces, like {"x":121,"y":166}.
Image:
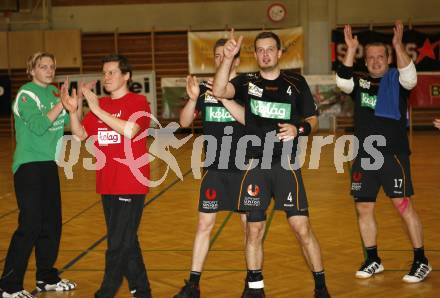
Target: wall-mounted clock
{"x":276,"y":12}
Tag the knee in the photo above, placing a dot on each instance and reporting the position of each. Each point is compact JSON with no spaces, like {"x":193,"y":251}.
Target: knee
{"x":303,"y":232}
{"x":255,"y":232}
{"x":364,"y":209}
{"x":205,"y":225}
{"x":404,"y":207}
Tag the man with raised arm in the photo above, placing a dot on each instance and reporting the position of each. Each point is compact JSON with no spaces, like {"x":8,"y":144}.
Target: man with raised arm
{"x":221,"y":179}
{"x":117,"y":122}
{"x":278,"y":107}
{"x":381,"y":101}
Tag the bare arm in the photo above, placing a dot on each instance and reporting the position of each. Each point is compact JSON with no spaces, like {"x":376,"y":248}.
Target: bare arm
{"x":221,"y":86}
{"x":289,"y":131}
{"x":236,"y":110}
{"x":343,"y":82}
{"x":187,"y":112}
{"x":125,"y":128}
{"x":407,"y":69}
{"x":352,"y":45}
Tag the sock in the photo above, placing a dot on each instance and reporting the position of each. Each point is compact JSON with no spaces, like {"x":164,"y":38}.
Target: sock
{"x":319,"y":279}
{"x":419,"y":254}
{"x":194,"y":277}
{"x":372,"y":253}
{"x":255,"y":279}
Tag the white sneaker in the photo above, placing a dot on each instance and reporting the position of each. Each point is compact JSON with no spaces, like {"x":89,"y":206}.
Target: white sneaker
{"x":419,"y":271}
{"x":62,"y":285}
{"x":369,"y":268}
{"x":19,"y":294}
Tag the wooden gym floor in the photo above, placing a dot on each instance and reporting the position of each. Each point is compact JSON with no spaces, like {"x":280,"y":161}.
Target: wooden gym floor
{"x":170,"y":218}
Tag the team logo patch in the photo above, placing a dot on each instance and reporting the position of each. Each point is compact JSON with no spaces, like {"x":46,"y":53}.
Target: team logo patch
{"x":271,"y":110}
{"x":364,"y":84}
{"x":356,"y":178}
{"x":368,"y":101}
{"x":23,"y":99}
{"x":210,"y":99}
{"x":218,"y":114}
{"x":106,"y":137}
{"x":255,"y":90}
{"x":253,"y":190}
{"x":210,"y":194}
{"x":210,"y":202}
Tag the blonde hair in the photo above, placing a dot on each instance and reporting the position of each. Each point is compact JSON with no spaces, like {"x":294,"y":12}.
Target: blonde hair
{"x":35,"y":58}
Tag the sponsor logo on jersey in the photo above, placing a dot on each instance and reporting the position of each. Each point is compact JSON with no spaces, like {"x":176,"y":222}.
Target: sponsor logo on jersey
{"x":218,"y":114}
{"x":368,"y":100}
{"x":356,"y":181}
{"x":106,"y":137}
{"x":255,"y":90}
{"x":272,"y":110}
{"x":364,"y":84}
{"x":253,"y":190}
{"x":210,"y":202}
{"x":210,"y":194}
{"x":209,"y":98}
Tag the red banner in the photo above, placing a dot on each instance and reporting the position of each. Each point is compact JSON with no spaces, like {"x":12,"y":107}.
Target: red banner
{"x":427,"y":91}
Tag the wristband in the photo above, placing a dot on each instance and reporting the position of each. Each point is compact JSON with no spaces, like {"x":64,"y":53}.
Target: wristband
{"x":304,"y":129}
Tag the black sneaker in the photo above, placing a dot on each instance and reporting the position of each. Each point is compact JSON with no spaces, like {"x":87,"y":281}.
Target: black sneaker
{"x":369,"y":268}
{"x":419,"y":271}
{"x":322,"y":293}
{"x":254,"y":293}
{"x":189,"y":290}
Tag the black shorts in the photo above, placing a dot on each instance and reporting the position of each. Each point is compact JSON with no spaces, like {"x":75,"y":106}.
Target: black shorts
{"x":219,"y":190}
{"x":259,"y":186}
{"x":394,"y":176}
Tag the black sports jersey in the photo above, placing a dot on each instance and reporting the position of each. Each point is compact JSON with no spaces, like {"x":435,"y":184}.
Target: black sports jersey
{"x":366,"y":123}
{"x":215,"y":118}
{"x":287,"y":99}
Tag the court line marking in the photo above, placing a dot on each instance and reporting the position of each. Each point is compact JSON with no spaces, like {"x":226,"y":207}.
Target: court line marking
{"x":99,"y":241}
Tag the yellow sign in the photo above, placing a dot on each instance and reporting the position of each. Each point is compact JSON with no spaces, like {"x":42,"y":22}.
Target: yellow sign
{"x":201,"y":51}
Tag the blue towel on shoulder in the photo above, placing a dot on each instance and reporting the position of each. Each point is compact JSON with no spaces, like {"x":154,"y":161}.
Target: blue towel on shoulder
{"x":387,"y":104}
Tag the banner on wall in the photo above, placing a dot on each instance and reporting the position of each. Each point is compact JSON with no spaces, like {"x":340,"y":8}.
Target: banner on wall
{"x":424,"y":49}
{"x":329,"y":99}
{"x":201,"y":56}
{"x":142,"y":83}
{"x":427,"y":91}
{"x":5,"y":95}
{"x":173,"y":96}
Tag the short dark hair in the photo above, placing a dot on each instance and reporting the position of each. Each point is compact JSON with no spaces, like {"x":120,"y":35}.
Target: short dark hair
{"x":220,"y":43}
{"x":377,"y":44}
{"x":267,"y":34}
{"x":124,"y":65}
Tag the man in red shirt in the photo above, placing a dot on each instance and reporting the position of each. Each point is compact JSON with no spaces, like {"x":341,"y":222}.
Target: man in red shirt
{"x":118,"y":122}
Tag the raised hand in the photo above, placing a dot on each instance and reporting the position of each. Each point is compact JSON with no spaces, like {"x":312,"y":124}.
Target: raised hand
{"x":70,"y":102}
{"x":92,"y":99}
{"x":398,"y":34}
{"x":350,"y":41}
{"x":88,"y":85}
{"x":437,"y":123}
{"x":232,"y":46}
{"x":192,"y":87}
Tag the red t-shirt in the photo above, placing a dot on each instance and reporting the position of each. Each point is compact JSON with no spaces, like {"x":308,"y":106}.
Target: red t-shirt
{"x":117,"y":175}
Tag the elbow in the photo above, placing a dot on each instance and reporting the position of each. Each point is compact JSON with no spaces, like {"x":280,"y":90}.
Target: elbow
{"x":217,"y":92}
